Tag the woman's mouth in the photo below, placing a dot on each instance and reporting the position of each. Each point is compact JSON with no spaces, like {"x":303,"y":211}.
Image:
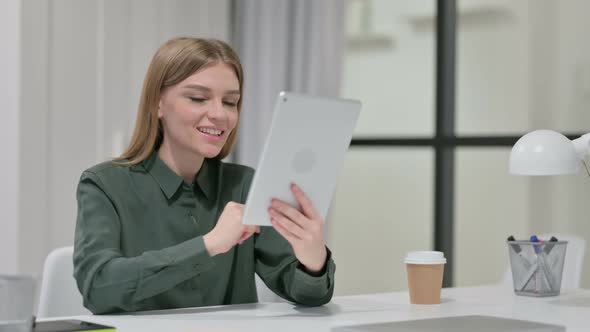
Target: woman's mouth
{"x":212,"y":135}
{"x":210,"y":131}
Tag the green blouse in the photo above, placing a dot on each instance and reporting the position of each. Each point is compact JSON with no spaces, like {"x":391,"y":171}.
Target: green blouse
{"x":139,"y":242}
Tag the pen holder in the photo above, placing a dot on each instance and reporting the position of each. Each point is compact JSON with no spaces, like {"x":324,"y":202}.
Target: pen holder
{"x":537,"y":267}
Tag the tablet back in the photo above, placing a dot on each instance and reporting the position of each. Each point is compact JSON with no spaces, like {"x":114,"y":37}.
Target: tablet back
{"x":306,"y":144}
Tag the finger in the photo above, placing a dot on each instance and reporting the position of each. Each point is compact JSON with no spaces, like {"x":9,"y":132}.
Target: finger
{"x":241,"y":239}
{"x":244,"y":236}
{"x":252,"y":229}
{"x":287,"y":224}
{"x":284,"y":233}
{"x":234,"y":204}
{"x":290,"y":212}
{"x":304,"y":202}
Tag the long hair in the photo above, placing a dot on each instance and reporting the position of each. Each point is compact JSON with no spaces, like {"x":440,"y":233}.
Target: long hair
{"x":175,"y":60}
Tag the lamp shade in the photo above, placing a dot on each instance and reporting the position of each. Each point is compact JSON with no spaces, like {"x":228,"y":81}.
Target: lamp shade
{"x":544,"y":152}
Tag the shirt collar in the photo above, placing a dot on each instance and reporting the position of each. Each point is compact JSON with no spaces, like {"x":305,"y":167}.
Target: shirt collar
{"x":206,"y":178}
{"x":170,"y":182}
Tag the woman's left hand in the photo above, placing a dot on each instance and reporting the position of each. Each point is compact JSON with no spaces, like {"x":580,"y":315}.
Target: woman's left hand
{"x":304,"y":229}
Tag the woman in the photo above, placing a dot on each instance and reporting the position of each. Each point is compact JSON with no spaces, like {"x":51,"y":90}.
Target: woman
{"x":160,"y":227}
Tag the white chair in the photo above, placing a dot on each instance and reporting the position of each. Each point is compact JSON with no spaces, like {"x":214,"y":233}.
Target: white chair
{"x":264,"y":293}
{"x":573,"y":265}
{"x":59,"y":294}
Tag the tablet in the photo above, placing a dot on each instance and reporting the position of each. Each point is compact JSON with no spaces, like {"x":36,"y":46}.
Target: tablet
{"x":306,"y":145}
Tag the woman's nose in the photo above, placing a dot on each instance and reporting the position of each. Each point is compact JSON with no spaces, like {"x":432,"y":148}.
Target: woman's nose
{"x":216,"y":111}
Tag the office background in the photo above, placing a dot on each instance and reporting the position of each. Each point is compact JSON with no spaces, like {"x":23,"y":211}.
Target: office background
{"x":72,"y":73}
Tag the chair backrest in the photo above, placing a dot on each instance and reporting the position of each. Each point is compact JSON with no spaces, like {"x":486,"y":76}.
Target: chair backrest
{"x":573,"y":265}
{"x":59,"y":295}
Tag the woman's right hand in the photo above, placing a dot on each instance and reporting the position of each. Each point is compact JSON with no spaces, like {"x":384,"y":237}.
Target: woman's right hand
{"x":229,"y":230}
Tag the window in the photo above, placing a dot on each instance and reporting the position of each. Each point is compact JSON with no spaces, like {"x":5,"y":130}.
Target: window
{"x":428,"y":165}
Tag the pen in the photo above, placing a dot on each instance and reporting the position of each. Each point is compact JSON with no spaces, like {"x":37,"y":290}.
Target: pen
{"x":514,"y":246}
{"x":554,"y":259}
{"x":548,"y":247}
{"x":543,"y":272}
{"x":521,"y":266}
{"x":535,"y":239}
{"x":537,"y":275}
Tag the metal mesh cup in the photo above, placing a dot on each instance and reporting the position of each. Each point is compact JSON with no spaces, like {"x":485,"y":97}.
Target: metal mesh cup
{"x":537,"y":267}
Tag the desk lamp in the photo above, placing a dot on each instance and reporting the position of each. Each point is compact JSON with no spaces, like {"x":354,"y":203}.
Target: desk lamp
{"x":546,"y":152}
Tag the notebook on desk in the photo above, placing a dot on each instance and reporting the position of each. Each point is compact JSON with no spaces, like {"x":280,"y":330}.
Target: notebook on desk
{"x":456,"y":324}
{"x":71,"y":325}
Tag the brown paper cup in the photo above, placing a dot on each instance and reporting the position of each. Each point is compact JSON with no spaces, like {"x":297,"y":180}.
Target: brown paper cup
{"x":425,"y":282}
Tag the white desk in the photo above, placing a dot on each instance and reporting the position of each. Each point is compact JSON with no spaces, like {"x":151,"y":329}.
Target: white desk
{"x":571,"y":309}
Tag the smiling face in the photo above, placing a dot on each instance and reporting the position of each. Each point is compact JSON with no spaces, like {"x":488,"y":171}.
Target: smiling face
{"x":199,"y":113}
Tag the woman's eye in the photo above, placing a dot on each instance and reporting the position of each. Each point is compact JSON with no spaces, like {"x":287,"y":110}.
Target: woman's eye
{"x":230,"y":104}
{"x":197,"y":99}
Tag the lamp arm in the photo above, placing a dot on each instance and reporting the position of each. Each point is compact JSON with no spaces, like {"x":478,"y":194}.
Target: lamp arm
{"x":582,"y":145}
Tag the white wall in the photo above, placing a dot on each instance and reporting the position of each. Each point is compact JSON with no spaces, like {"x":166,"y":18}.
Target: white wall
{"x":394,"y":74}
{"x":9,"y":133}
{"x":382,"y":209}
{"x":494,"y":56}
{"x":34,"y":220}
{"x":383,"y":202}
{"x":82,"y":69}
{"x":490,"y":205}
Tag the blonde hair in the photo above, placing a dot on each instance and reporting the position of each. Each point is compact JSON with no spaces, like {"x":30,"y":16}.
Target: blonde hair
{"x":175,"y":60}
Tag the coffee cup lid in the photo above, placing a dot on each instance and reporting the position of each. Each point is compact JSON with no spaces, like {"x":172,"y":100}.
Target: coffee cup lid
{"x":425,"y":257}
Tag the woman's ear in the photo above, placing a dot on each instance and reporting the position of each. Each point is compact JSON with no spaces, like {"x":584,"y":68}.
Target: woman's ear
{"x":160,"y":109}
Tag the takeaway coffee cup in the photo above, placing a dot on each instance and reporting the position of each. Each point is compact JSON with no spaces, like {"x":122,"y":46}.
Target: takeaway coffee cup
{"x":425,"y":275}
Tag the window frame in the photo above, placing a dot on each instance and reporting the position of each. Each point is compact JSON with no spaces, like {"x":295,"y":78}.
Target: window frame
{"x":445,"y":141}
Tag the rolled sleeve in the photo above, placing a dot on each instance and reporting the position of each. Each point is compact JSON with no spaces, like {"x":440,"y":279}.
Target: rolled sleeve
{"x":277,"y":266}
